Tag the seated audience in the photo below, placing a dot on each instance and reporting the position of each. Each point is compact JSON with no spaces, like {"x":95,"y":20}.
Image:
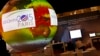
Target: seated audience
{"x":88,"y":43}
{"x":79,"y":44}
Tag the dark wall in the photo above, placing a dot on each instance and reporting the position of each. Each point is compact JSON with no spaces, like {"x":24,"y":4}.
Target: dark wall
{"x":87,"y":22}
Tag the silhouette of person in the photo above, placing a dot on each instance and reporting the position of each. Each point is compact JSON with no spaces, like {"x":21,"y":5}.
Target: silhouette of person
{"x":3,"y":49}
{"x":71,"y":46}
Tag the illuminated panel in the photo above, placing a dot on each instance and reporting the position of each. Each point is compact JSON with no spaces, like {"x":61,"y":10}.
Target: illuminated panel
{"x":92,"y":34}
{"x":75,"y":34}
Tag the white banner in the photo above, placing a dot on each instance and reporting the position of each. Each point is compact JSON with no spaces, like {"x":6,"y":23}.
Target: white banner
{"x":18,"y":19}
{"x":53,"y":17}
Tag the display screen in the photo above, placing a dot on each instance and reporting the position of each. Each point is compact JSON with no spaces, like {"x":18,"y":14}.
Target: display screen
{"x":92,"y":34}
{"x":75,"y":33}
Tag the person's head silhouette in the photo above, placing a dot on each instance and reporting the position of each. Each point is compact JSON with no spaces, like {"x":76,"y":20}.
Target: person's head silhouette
{"x":3,"y":49}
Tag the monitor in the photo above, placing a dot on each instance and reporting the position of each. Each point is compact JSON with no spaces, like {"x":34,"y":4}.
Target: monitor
{"x":92,"y":34}
{"x":75,"y":33}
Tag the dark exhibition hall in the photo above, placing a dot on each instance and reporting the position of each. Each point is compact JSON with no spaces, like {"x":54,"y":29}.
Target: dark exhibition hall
{"x":49,"y":28}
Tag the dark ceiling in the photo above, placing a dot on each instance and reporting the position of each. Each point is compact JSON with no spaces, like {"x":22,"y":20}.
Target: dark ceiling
{"x":61,"y":6}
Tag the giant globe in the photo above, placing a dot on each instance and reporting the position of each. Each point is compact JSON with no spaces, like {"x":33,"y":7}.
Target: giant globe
{"x":28,"y":25}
